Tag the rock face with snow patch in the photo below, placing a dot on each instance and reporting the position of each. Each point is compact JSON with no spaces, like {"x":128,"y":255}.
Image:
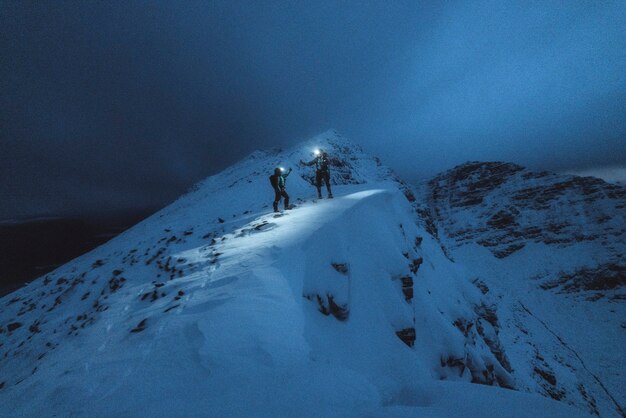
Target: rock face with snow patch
{"x":548,"y":250}
{"x":503,"y":206}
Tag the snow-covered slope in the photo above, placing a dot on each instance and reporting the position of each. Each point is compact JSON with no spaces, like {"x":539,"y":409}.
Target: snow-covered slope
{"x":216,"y":307}
{"x":549,"y":250}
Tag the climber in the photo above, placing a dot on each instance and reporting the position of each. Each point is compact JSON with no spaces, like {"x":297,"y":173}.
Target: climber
{"x":278,"y":180}
{"x":322,"y":172}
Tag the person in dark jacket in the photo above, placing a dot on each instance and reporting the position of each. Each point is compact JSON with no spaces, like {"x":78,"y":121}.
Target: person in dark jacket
{"x":278,"y":181}
{"x":322,"y":172}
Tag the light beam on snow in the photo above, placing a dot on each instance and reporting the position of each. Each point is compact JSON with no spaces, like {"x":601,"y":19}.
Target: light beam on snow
{"x":364,"y":194}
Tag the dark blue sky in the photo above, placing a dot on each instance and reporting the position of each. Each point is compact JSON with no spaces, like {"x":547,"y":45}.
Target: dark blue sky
{"x":114,"y":105}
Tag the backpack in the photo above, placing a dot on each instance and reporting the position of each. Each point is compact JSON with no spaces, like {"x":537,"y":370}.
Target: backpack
{"x":274,"y":181}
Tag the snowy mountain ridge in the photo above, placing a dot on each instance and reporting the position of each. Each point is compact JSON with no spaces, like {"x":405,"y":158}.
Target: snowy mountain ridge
{"x":551,"y":247}
{"x":361,"y":305}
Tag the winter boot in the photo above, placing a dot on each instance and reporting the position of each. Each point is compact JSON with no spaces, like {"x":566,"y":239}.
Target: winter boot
{"x":275,"y":206}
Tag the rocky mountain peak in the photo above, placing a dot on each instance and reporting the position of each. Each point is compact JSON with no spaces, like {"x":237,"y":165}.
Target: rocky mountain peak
{"x":503,"y":206}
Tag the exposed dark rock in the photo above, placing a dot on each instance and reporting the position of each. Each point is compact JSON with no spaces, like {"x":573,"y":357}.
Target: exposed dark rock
{"x":328,"y":306}
{"x":158,"y":254}
{"x":502,"y":220}
{"x":140,"y":326}
{"x":409,"y":195}
{"x":13,"y":326}
{"x":426,"y":217}
{"x":338,"y":311}
{"x":489,"y":376}
{"x":407,"y":287}
{"x":507,"y":251}
{"x":547,"y":375}
{"x":463,"y":325}
{"x":116,"y":283}
{"x":340,"y":267}
{"x":595,"y":297}
{"x":481,"y":286}
{"x":407,"y":335}
{"x":591,"y":402}
{"x":415,"y":265}
{"x":172,"y":307}
{"x":14,"y":300}
{"x":458,"y":363}
{"x":607,"y":276}
{"x":488,"y":313}
{"x":261,"y":226}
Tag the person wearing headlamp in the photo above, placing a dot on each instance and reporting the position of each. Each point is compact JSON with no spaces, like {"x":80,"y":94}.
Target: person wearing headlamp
{"x":322,"y":171}
{"x":278,"y":181}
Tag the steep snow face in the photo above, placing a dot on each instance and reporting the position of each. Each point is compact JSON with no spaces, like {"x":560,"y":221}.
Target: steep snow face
{"x":549,"y":252}
{"x":217,"y":307}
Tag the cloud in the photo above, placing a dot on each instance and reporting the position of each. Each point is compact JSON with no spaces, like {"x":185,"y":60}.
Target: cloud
{"x":115,"y":105}
{"x":616,"y":174}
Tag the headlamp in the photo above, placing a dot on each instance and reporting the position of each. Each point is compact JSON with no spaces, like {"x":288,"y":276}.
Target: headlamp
{"x":316,"y":152}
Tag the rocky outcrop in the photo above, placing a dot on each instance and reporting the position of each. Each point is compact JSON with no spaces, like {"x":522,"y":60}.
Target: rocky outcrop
{"x":547,"y":232}
{"x":503,"y":206}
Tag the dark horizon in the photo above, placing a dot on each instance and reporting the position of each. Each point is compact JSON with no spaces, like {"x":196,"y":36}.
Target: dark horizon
{"x":112,"y":108}
{"x":31,"y":249}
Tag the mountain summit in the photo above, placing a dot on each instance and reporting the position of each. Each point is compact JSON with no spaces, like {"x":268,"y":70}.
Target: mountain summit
{"x":389,"y":300}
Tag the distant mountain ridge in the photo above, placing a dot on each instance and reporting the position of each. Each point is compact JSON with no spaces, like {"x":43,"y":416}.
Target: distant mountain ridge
{"x":503,"y":207}
{"x":32,"y":247}
{"x":557,"y":242}
{"x":518,"y":204}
